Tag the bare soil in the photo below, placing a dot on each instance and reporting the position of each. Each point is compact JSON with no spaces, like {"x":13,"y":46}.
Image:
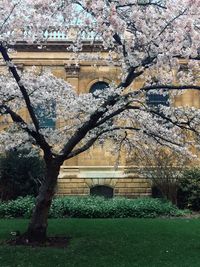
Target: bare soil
{"x":54,"y":242}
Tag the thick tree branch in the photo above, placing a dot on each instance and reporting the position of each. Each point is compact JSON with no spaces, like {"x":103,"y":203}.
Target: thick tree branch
{"x":16,"y":76}
{"x":133,"y":74}
{"x":17,"y":119}
{"x":23,"y":125}
{"x":87,"y":126}
{"x":88,"y":144}
{"x":142,"y":5}
{"x":92,"y":141}
{"x":169,"y":87}
{"x":111,"y":101}
{"x":115,"y":113}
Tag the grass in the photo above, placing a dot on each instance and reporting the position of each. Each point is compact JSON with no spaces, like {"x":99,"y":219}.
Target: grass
{"x":109,"y":243}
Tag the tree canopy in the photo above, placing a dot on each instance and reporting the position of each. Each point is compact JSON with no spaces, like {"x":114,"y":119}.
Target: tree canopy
{"x":147,"y":39}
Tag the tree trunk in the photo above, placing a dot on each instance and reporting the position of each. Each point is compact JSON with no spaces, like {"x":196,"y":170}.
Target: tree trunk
{"x":37,"y":229}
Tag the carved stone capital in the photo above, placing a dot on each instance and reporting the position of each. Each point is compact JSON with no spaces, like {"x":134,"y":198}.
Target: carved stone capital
{"x":72,"y":70}
{"x":20,"y":66}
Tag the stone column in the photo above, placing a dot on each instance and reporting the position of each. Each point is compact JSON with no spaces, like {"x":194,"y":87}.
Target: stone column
{"x":72,"y":76}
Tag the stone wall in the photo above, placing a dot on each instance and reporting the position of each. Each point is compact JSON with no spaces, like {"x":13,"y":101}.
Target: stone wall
{"x":79,"y":180}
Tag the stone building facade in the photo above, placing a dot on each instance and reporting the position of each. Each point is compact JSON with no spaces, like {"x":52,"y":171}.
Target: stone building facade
{"x":94,"y":170}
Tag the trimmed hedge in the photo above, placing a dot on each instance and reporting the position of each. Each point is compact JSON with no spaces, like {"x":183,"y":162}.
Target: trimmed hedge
{"x":92,"y":207}
{"x":20,"y":207}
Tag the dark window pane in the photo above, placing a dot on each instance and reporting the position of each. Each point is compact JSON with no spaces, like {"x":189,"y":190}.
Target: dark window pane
{"x":46,"y":116}
{"x":157,"y":99}
{"x":98,"y":86}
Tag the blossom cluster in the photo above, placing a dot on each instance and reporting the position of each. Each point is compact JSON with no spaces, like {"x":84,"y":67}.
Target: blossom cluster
{"x":146,"y":39}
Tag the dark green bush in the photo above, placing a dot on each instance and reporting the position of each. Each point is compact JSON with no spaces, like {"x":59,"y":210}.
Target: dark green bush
{"x":20,"y":174}
{"x":93,"y":207}
{"x":189,"y":190}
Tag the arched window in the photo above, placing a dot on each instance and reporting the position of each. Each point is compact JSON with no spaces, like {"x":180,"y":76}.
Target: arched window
{"x":98,"y":86}
{"x":102,"y":190}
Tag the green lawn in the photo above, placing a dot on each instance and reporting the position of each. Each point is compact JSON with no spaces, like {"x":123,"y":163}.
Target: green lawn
{"x":110,"y":243}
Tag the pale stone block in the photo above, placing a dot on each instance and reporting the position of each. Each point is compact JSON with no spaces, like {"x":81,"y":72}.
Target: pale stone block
{"x":89,"y":182}
{"x":113,"y":182}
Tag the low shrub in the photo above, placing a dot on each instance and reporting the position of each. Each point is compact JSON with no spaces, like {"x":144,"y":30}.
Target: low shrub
{"x":164,"y":168}
{"x":93,"y":207}
{"x":20,"y":207}
{"x":97,"y":207}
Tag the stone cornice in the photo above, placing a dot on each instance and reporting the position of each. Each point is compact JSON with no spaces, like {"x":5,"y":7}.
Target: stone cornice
{"x":56,"y":46}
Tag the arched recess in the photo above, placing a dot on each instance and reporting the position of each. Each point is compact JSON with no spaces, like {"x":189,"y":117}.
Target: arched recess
{"x":99,"y":80}
{"x":102,"y":190}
